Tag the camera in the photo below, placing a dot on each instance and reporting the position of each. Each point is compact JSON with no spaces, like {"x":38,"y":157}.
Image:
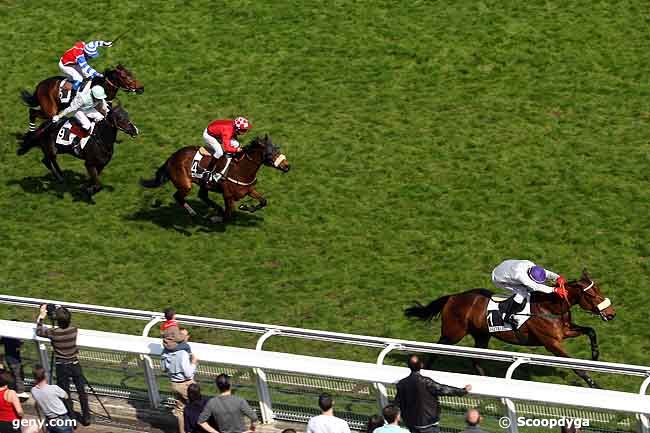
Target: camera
{"x":51,"y":311}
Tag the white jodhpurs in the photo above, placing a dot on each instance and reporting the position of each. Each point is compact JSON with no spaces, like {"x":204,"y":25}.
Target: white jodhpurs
{"x":71,"y":72}
{"x":213,"y":144}
{"x":85,"y":117}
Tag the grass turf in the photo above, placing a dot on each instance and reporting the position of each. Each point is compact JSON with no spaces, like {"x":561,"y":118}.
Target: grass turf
{"x":429,"y":141}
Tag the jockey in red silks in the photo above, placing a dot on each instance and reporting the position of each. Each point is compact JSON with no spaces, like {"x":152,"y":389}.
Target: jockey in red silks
{"x":523,"y":277}
{"x":74,"y":65}
{"x":221,"y":136}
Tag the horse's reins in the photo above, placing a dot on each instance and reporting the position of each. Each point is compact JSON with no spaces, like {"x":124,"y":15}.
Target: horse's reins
{"x":278,"y":160}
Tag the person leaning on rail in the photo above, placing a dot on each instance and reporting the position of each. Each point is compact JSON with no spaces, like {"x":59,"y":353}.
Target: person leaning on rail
{"x":417,"y":397}
{"x":63,"y":338}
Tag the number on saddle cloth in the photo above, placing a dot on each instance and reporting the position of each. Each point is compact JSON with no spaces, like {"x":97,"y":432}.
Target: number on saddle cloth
{"x":495,"y":317}
{"x":67,"y":93}
{"x":71,"y":134}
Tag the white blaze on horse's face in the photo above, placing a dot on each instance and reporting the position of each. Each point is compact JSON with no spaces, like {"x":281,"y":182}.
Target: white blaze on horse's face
{"x":603,"y":305}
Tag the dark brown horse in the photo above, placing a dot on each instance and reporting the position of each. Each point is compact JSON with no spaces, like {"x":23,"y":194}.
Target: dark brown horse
{"x":45,"y":102}
{"x":239,"y":180}
{"x":96,"y":154}
{"x":550,"y":322}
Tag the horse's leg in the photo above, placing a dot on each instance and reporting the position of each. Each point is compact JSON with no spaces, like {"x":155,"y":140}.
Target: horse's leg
{"x":262,"y":202}
{"x":93,"y":173}
{"x":481,"y":341}
{"x":577,"y":331}
{"x":556,"y":348}
{"x":180,"y":195}
{"x":49,"y":160}
{"x":203,"y":195}
{"x":228,"y":211}
{"x":32,"y":119}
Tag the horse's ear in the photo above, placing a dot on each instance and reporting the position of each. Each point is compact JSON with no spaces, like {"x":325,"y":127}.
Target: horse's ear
{"x":585,"y":274}
{"x":266,"y":138}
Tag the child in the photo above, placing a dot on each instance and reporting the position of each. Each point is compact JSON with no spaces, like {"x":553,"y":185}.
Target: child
{"x":173,"y":338}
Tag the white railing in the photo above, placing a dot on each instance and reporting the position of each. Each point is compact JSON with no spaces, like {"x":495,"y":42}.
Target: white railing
{"x":515,"y":359}
{"x":482,"y":386}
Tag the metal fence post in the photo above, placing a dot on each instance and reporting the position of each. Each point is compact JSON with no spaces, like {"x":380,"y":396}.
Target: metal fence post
{"x":644,"y":422}
{"x":263,"y":393}
{"x":153,"y":391}
{"x":380,"y":388}
{"x":511,"y":409}
{"x":44,"y":359}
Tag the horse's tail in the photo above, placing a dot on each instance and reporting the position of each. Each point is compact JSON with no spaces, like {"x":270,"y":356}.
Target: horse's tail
{"x":162,"y":176}
{"x":429,"y":311}
{"x":29,"y":98}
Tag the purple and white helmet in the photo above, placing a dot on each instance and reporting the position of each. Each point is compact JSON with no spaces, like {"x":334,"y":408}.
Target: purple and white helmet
{"x":537,"y":274}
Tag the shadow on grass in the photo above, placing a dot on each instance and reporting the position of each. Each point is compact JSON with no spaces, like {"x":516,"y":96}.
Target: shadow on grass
{"x":74,"y":184}
{"x":173,"y":217}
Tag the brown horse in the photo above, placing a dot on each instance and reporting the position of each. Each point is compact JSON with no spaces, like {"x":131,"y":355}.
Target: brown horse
{"x":239,"y":180}
{"x":96,"y":154}
{"x":549,"y":324}
{"x":46,"y":95}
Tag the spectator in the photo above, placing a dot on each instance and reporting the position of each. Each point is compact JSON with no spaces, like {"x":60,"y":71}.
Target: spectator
{"x":180,"y":369}
{"x":66,"y":357}
{"x":195,"y":405}
{"x":15,"y":364}
{"x":392,"y":416}
{"x":49,"y":399}
{"x":172,"y":337}
{"x":289,"y":430}
{"x":417,"y":397}
{"x":10,"y":407}
{"x":473,"y":419}
{"x":374,"y":422}
{"x":326,"y":422}
{"x":226,"y":410}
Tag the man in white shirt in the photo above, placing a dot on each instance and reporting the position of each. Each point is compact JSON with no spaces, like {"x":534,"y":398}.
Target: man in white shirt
{"x":326,"y":422}
{"x":392,"y":416}
{"x":523,"y":277}
{"x":49,"y":399}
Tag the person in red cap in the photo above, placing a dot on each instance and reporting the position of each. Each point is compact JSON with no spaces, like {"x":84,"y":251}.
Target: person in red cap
{"x":221,"y":137}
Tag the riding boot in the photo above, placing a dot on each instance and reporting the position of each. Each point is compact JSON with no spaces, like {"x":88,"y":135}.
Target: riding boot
{"x":511,"y":309}
{"x":207,"y":174}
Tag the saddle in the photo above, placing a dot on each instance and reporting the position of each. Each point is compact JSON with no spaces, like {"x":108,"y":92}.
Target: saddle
{"x":203,"y":159}
{"x":494,"y":315}
{"x":72,"y":134}
{"x":67,"y":93}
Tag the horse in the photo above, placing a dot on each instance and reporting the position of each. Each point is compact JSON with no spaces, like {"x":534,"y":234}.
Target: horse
{"x":549,"y":323}
{"x":46,"y":94}
{"x":96,"y":154}
{"x":239,"y":179}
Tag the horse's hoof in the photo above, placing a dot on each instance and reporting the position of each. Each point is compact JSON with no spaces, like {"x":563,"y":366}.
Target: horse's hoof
{"x":595,"y":355}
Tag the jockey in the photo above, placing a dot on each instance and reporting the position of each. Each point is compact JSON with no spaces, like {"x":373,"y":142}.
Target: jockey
{"x":88,"y":104}
{"x":73,"y":62}
{"x":523,"y":277}
{"x":220,"y":136}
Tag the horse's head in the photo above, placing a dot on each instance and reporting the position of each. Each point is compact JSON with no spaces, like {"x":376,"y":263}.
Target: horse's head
{"x":272,"y":156}
{"x":119,"y":117}
{"x":590,"y":298}
{"x":124,"y":79}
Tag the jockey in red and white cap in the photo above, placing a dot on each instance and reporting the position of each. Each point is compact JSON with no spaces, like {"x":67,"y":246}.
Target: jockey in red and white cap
{"x":73,"y":62}
{"x":523,"y":277}
{"x":221,"y":136}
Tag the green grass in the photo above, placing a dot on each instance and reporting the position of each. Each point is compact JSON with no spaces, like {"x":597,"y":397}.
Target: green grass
{"x":428,"y":140}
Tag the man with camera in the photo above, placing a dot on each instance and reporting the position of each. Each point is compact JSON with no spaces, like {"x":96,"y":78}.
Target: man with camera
{"x":63,"y":338}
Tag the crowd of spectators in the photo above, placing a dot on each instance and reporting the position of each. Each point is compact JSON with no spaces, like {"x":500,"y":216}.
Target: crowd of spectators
{"x":416,"y":406}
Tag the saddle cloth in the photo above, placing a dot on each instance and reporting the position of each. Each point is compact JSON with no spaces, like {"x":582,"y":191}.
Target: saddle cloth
{"x":67,"y":95}
{"x":495,"y":317}
{"x":71,"y":134}
{"x":197,"y":170}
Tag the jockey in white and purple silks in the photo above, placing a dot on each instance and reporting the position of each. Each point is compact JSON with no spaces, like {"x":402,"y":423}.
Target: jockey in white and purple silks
{"x":73,"y":62}
{"x":523,"y":277}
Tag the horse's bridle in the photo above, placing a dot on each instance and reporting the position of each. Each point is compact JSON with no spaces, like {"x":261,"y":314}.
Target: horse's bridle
{"x":125,"y":89}
{"x":602,"y":305}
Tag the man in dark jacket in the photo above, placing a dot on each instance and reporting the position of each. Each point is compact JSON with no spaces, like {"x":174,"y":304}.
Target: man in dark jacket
{"x":417,"y":397}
